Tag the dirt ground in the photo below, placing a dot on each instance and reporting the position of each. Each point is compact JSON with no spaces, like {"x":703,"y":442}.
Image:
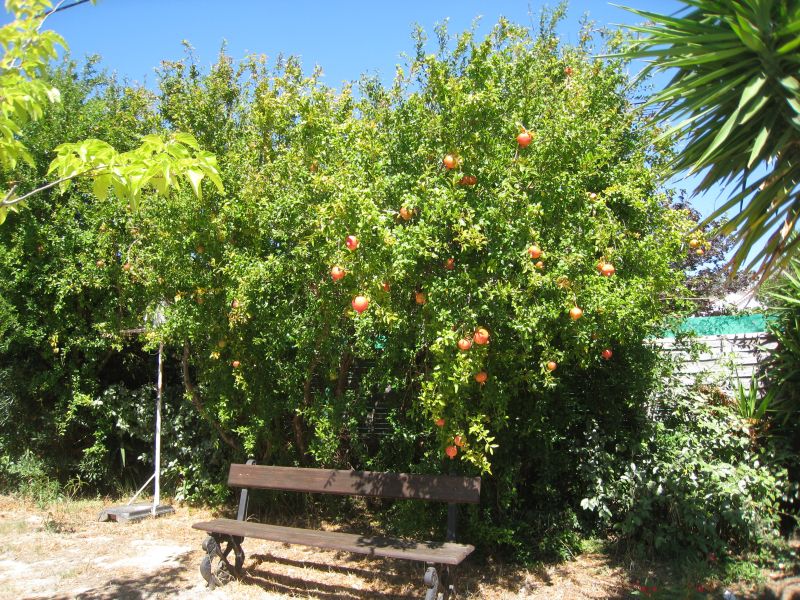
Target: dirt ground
{"x":65,"y":553}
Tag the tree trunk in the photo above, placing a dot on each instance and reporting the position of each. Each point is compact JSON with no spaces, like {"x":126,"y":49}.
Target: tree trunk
{"x":197,"y":401}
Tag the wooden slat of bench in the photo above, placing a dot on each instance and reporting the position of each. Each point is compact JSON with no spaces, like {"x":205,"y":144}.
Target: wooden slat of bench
{"x":446,"y":553}
{"x":444,"y":488}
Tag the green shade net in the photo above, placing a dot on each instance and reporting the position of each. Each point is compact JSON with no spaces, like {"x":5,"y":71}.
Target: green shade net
{"x":724,"y":325}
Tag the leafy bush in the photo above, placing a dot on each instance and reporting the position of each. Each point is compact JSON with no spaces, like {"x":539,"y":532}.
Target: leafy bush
{"x":699,"y":481}
{"x":28,"y":477}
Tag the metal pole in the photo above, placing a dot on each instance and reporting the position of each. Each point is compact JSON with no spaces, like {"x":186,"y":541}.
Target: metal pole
{"x":141,"y":489}
{"x":157,"y":474}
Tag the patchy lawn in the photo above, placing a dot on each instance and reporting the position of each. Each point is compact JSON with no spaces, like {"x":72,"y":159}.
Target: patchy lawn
{"x":64,"y":552}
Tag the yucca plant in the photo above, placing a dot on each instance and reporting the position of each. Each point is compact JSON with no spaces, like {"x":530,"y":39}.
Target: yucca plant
{"x":751,"y":402}
{"x":735,"y":101}
{"x":783,"y":367}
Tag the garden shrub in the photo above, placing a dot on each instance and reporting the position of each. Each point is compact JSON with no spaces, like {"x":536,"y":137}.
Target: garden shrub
{"x":701,"y":481}
{"x":783,"y":369}
{"x":28,"y":477}
{"x":782,"y":374}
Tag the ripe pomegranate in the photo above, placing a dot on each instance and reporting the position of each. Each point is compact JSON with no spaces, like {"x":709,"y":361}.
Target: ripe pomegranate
{"x":385,"y":286}
{"x":451,"y":452}
{"x":468,"y":180}
{"x":420,"y":298}
{"x":235,"y":303}
{"x":406,"y":214}
{"x":126,"y":266}
{"x":351,"y":242}
{"x":534,"y":252}
{"x":235,"y":364}
{"x":449,"y":162}
{"x":524,"y":139}
{"x":464,"y":344}
{"x":551,"y":366}
{"x":439,"y":422}
{"x":481,"y":336}
{"x":608,"y":270}
{"x":607,"y":354}
{"x":458,"y":441}
{"x":539,"y":265}
{"x":450,"y":264}
{"x":575,"y":313}
{"x":567,"y":71}
{"x":360,"y":304}
{"x":481,"y":377}
{"x":337,"y":273}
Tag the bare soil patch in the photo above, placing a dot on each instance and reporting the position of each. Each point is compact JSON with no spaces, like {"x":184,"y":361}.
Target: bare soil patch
{"x":65,"y":553}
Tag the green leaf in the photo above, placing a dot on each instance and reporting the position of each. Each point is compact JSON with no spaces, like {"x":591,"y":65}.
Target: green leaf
{"x":753,"y":110}
{"x":751,"y":89}
{"x":160,"y":184}
{"x":101,"y":185}
{"x":120,"y":189}
{"x":195,"y":177}
{"x":213,"y":175}
{"x":758,"y":145}
{"x":720,"y":138}
{"x":790,"y":83}
{"x":747,"y":33}
{"x":790,"y":45}
{"x":186,"y":139}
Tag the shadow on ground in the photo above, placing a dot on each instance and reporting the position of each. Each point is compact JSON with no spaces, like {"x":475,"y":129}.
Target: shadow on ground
{"x":158,"y":584}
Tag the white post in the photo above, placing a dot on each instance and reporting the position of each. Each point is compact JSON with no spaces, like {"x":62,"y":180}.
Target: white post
{"x":157,"y":494}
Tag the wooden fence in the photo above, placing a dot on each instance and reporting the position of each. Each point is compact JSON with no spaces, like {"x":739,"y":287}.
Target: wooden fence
{"x":723,"y":359}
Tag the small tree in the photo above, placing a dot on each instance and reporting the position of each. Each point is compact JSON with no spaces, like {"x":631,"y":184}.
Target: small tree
{"x":158,"y":164}
{"x":706,"y":264}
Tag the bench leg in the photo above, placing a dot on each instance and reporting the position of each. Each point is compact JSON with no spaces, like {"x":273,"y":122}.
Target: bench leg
{"x":431,"y":580}
{"x":449,"y":582}
{"x":214,"y":567}
{"x":445,"y":581}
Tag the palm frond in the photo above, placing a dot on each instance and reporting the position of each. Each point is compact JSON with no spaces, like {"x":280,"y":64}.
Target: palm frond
{"x":736,"y":93}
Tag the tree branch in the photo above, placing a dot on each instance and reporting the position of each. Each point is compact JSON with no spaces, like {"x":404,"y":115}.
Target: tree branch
{"x":8,"y":201}
{"x":59,"y":8}
{"x":197,"y":401}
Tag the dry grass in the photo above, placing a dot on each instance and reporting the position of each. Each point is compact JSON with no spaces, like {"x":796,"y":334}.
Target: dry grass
{"x":64,"y":552}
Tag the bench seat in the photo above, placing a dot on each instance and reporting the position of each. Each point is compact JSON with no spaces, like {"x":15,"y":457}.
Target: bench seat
{"x":446,"y":553}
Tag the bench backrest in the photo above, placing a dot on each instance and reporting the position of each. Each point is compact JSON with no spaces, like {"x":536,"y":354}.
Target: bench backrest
{"x":442,"y":488}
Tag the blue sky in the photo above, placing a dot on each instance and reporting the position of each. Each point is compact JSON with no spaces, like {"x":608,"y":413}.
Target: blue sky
{"x":345,"y":38}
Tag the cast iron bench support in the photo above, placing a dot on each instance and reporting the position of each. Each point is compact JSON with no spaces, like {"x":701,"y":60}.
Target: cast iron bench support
{"x":217,"y":569}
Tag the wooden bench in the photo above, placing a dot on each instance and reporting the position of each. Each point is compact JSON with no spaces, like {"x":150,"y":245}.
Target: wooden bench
{"x":216,"y":569}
